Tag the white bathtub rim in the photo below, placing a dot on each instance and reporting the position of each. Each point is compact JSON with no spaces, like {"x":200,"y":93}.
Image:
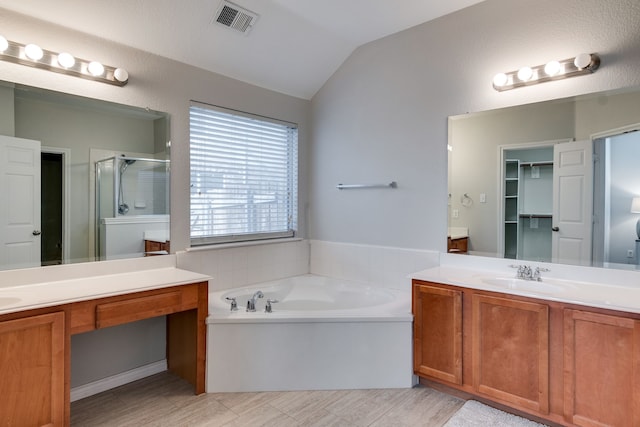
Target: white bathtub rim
{"x":397,"y":309}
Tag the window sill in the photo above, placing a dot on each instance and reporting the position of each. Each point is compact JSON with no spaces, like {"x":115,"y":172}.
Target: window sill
{"x":241,"y":244}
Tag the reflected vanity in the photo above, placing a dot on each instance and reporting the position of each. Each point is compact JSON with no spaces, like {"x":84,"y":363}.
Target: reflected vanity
{"x":100,"y":173}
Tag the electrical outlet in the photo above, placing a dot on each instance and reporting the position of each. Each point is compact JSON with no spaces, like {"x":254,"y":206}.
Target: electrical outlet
{"x":483,"y":198}
{"x":630,"y":253}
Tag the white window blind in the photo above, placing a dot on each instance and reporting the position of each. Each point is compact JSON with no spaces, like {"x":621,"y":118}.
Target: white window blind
{"x":244,"y":176}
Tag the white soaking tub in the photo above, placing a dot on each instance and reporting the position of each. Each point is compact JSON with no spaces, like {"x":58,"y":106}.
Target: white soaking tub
{"x":323,"y":334}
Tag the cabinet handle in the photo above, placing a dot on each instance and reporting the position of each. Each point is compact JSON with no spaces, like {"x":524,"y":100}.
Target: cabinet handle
{"x":555,"y":229}
{"x":36,"y":232}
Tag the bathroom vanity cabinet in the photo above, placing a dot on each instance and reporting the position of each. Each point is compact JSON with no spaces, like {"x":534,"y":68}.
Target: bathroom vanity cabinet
{"x":566,"y":363}
{"x":35,"y":347}
{"x":32,"y":366}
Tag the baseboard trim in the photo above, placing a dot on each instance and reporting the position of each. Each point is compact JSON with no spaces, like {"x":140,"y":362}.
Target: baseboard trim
{"x":117,"y":380}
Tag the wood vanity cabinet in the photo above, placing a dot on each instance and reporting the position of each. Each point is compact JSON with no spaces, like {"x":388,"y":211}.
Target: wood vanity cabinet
{"x":510,"y":351}
{"x":602,"y":369}
{"x":569,"y":364}
{"x":459,"y":245}
{"x":35,"y":347}
{"x":32,"y":365}
{"x":437,"y":338}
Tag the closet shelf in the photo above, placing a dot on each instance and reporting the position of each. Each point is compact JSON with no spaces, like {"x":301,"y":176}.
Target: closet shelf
{"x":535,"y":215}
{"x":530,"y":164}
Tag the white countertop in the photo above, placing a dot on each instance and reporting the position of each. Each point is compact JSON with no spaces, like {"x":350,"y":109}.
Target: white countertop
{"x":46,"y":294}
{"x":613,"y":290}
{"x":457,"y":232}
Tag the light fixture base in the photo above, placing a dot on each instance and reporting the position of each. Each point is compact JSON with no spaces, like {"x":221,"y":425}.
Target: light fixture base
{"x":15,"y":52}
{"x":568,"y":69}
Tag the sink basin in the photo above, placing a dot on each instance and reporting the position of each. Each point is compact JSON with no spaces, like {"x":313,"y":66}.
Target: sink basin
{"x":8,"y":300}
{"x":545,"y":286}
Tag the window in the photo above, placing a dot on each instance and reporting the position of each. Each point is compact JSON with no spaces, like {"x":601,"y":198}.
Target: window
{"x":244,"y":176}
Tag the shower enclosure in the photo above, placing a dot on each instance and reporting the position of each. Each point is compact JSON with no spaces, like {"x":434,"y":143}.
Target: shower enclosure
{"x":132,"y":207}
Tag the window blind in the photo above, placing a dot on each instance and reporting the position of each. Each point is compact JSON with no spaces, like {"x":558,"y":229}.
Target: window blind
{"x":244,"y":176}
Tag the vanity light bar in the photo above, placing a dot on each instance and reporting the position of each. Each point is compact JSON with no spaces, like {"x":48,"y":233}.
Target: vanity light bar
{"x":34,"y":56}
{"x":585,"y":63}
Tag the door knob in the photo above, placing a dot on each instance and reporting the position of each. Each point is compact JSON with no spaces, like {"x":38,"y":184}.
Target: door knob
{"x":555,"y":229}
{"x":36,"y":232}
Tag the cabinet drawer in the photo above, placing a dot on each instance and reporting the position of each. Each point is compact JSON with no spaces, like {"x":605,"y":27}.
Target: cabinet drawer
{"x":130,"y":310}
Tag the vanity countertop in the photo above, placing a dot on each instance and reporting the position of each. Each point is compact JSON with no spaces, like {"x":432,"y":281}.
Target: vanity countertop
{"x":46,"y":294}
{"x":587,"y":286}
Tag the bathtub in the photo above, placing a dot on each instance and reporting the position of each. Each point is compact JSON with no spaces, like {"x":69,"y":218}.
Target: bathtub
{"x":323,"y":334}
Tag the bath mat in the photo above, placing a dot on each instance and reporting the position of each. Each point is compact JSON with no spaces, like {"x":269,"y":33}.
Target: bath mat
{"x":475,"y":414}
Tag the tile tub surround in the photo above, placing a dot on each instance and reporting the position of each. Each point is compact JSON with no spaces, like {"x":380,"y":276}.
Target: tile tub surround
{"x":594,"y":287}
{"x":384,"y":266}
{"x":236,"y":265}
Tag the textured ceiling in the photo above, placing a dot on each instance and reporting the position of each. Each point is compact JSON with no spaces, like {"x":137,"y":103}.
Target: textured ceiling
{"x":294,"y":47}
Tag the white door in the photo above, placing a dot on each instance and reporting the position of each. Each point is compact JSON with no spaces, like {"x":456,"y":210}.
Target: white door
{"x":572,"y":203}
{"x":20,"y":203}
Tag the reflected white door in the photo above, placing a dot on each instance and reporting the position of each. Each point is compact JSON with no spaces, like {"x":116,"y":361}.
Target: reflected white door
{"x":20,"y":202}
{"x":572,"y":202}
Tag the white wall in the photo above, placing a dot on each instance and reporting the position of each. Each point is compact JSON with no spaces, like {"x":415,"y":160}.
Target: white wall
{"x":383,"y":115}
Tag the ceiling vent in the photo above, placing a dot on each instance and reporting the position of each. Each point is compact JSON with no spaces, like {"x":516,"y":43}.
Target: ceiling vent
{"x":233,"y":16}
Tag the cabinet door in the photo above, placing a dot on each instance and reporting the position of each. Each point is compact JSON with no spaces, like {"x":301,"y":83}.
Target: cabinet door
{"x":32,"y":371}
{"x":438,"y":333}
{"x":511,"y":351}
{"x":602,"y":369}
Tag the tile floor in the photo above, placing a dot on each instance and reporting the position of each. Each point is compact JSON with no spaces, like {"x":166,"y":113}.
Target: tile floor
{"x":166,"y":400}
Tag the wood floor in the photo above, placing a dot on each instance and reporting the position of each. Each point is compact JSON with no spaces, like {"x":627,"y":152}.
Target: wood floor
{"x":166,"y":400}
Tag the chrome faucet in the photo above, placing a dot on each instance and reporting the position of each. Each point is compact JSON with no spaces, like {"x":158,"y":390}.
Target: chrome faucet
{"x":526,"y":273}
{"x":234,"y":304}
{"x":268,"y":308}
{"x":251,"y":304}
{"x":536,"y":274}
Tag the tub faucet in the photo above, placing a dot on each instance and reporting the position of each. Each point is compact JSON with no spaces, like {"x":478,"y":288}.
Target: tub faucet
{"x":251,"y":304}
{"x":268,"y":308}
{"x":234,"y":304}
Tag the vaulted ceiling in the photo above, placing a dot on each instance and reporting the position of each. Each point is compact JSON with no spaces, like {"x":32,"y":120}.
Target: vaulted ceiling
{"x":293,"y":47}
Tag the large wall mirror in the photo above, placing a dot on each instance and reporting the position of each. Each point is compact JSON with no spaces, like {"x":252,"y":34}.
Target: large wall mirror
{"x":81,"y":179}
{"x":552,"y":181}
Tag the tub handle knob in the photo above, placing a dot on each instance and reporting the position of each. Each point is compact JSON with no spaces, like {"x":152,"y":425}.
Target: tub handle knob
{"x":268,"y":308}
{"x":234,"y":304}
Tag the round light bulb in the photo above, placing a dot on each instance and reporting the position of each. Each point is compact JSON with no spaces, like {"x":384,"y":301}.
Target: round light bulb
{"x":525,"y":73}
{"x":34,"y":52}
{"x":95,"y":68}
{"x":66,"y":60}
{"x":121,"y":75}
{"x":4,"y":44}
{"x":500,"y":79}
{"x":582,"y":61}
{"x":552,"y":68}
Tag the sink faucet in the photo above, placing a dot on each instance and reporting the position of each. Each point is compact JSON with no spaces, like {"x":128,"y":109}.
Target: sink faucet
{"x":526,"y":273}
{"x":251,"y":304}
{"x":536,"y":274}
